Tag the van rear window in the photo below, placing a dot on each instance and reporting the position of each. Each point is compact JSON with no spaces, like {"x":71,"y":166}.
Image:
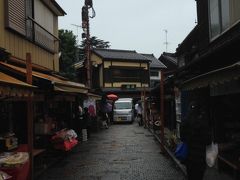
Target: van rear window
{"x":123,"y":105}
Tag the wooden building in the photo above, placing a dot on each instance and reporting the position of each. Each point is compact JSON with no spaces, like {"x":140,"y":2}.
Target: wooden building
{"x":31,"y":27}
{"x":209,"y":73}
{"x":170,"y":62}
{"x":155,"y":69}
{"x":123,"y":72}
{"x":34,"y":99}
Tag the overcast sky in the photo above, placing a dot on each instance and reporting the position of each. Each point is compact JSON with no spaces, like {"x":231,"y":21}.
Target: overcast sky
{"x":135,"y":24}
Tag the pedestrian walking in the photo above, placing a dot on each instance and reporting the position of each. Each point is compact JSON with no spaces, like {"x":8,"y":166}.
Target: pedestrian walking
{"x":195,"y":133}
{"x":78,"y":119}
{"x":85,"y":124}
{"x":104,"y":119}
{"x":138,"y":108}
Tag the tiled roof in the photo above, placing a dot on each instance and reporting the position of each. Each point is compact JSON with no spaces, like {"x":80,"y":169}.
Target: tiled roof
{"x":120,"y":54}
{"x":170,"y":57}
{"x":155,"y":63}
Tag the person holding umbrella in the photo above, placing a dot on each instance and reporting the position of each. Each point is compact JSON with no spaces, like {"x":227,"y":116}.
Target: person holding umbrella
{"x":113,"y":98}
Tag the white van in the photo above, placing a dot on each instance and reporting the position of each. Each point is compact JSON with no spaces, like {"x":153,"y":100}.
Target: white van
{"x":123,"y":110}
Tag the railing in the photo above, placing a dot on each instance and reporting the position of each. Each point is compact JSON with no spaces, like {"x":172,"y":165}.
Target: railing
{"x":40,"y":36}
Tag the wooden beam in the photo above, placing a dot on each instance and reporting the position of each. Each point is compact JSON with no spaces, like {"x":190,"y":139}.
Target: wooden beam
{"x":30,"y":114}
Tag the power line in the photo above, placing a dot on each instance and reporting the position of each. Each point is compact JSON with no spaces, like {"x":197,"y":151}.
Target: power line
{"x":77,"y":26}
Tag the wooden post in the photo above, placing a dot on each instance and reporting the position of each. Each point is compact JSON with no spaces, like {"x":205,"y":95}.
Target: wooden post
{"x":144,"y":106}
{"x":162,"y":111}
{"x":29,"y":68}
{"x":30,"y":114}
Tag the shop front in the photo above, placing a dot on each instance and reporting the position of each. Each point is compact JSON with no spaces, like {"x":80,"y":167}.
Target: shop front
{"x":220,"y":89}
{"x":14,"y":154}
{"x":53,"y":110}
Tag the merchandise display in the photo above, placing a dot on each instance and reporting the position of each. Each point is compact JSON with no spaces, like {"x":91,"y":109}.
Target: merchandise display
{"x":15,"y":164}
{"x":4,"y":176}
{"x":13,"y":159}
{"x":8,"y":142}
{"x":64,"y":140}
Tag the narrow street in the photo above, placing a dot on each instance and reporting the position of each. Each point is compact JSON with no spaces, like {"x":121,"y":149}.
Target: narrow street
{"x":122,"y":152}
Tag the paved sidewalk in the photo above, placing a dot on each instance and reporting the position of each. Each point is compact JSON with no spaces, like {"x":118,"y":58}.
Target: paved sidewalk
{"x":122,"y":152}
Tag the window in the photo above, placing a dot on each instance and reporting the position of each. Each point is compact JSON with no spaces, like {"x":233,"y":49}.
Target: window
{"x":223,"y":14}
{"x":214,"y":18}
{"x":43,"y":16}
{"x":123,"y":105}
{"x":128,"y":86}
{"x":16,"y":16}
{"x":154,"y":73}
{"x":126,"y":74}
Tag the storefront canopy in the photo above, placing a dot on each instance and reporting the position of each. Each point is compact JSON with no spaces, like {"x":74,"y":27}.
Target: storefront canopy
{"x":213,"y":78}
{"x":94,"y":96}
{"x":58,"y":83}
{"x":13,"y":87}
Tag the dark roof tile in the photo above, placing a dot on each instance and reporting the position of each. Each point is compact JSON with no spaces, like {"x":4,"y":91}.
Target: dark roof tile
{"x":155,"y":63}
{"x":119,"y":54}
{"x":169,"y":57}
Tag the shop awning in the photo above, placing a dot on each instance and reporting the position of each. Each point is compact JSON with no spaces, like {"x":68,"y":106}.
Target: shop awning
{"x":213,"y":78}
{"x":58,"y":83}
{"x":10,"y":86}
{"x":94,"y":96}
{"x":69,"y":86}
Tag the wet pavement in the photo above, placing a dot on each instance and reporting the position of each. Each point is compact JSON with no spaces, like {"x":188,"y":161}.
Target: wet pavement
{"x":122,"y":152}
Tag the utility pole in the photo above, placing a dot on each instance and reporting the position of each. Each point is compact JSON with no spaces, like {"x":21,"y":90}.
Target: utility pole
{"x":89,"y":82}
{"x":166,"y":42}
{"x":85,"y":25}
